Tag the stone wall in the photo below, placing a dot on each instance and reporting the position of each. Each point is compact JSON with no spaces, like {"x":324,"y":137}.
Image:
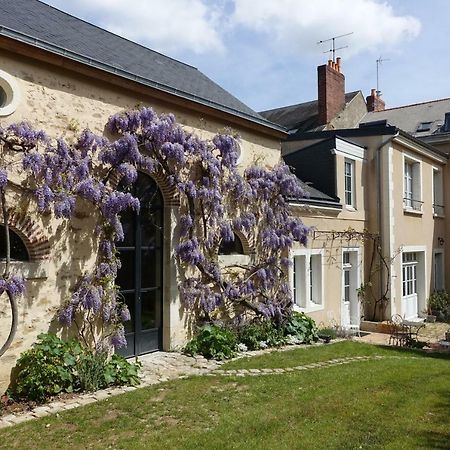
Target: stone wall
{"x":63,"y":103}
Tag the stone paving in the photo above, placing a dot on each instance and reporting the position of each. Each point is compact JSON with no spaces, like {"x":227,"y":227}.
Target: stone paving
{"x":163,"y":366}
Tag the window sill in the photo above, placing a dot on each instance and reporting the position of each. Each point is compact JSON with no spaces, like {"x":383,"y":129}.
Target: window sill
{"x":438,"y":216}
{"x":350,"y":208}
{"x":412,"y":212}
{"x":230,"y":260}
{"x":309,"y":309}
{"x":30,"y":270}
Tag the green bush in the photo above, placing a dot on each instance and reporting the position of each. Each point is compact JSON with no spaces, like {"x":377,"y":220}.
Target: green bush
{"x":327,"y":331}
{"x":119,"y":371}
{"x":301,"y":327}
{"x":91,"y":371}
{"x":53,"y":366}
{"x":47,"y":369}
{"x":213,"y":342}
{"x":261,"y":334}
{"x":439,"y":304}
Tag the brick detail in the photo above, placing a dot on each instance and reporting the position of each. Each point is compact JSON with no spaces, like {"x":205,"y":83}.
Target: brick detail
{"x":375,"y":102}
{"x":168,"y":191}
{"x":247,"y":241}
{"x":31,"y":234}
{"x":331,"y":92}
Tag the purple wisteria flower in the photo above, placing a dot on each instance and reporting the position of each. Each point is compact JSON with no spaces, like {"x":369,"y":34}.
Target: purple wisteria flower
{"x":3,"y":178}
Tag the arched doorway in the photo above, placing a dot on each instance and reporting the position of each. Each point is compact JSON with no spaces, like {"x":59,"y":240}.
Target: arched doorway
{"x":140,"y":277}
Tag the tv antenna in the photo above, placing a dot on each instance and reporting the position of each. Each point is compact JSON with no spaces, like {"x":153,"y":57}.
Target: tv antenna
{"x":379,"y":61}
{"x":333,"y":44}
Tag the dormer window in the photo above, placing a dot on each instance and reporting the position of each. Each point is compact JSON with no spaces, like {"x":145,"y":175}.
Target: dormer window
{"x":424,"y":126}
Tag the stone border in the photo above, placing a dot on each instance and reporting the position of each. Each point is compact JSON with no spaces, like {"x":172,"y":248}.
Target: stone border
{"x":286,"y":370}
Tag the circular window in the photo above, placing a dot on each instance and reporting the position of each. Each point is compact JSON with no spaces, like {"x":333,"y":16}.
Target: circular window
{"x":9,"y":94}
{"x":3,"y":97}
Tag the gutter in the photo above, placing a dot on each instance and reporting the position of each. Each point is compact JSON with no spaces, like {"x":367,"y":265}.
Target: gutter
{"x":92,"y":62}
{"x":380,"y":191}
{"x":316,"y":203}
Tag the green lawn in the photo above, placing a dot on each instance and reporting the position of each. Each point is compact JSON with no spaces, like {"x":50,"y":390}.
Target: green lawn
{"x":387,"y":403}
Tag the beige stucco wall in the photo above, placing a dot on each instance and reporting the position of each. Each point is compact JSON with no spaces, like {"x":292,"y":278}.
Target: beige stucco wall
{"x":62,"y":103}
{"x":414,"y":230}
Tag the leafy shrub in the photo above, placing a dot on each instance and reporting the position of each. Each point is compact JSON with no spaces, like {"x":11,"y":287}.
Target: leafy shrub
{"x":327,"y":331}
{"x":213,"y":342}
{"x":302,"y":327}
{"x":53,"y":366}
{"x":261,"y":334}
{"x":91,"y":371}
{"x":47,"y":369}
{"x":439,"y":304}
{"x":119,"y":371}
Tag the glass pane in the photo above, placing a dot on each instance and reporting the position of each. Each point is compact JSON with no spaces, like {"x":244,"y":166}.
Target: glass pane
{"x":128,"y":225}
{"x":18,"y":250}
{"x":151,"y":309}
{"x":151,"y":227}
{"x":129,"y":299}
{"x":125,"y":275}
{"x":151,"y":268}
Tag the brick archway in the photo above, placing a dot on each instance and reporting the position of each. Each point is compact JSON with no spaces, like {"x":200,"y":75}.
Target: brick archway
{"x":31,"y":234}
{"x":169,"y":192}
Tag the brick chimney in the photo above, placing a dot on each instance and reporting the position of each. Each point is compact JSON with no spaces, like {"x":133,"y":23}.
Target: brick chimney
{"x":331,"y":90}
{"x":375,"y":102}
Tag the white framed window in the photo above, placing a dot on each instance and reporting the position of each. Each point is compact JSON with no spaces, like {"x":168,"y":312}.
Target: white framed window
{"x":349,"y":182}
{"x":438,"y":270}
{"x":412,"y":185}
{"x":438,"y":192}
{"x":307,"y":279}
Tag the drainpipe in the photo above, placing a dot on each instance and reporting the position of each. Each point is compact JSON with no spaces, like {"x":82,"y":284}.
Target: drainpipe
{"x":380,"y":192}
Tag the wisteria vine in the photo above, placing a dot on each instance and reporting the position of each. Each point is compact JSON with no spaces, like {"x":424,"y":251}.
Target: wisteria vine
{"x":217,"y":201}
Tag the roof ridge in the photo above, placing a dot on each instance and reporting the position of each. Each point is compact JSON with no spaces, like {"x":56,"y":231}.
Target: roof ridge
{"x":415,"y":104}
{"x":302,"y":103}
{"x":114,"y":34}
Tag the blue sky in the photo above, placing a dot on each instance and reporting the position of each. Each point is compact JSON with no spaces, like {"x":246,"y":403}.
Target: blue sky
{"x":265,"y":52}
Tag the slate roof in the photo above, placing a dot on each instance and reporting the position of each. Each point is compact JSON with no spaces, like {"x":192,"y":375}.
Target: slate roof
{"x":44,"y":26}
{"x":409,"y":117}
{"x":300,"y":117}
{"x":315,"y":194}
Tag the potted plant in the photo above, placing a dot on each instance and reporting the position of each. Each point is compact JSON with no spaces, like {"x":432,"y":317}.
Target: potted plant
{"x":429,"y":316}
{"x":439,"y":305}
{"x":447,"y":335}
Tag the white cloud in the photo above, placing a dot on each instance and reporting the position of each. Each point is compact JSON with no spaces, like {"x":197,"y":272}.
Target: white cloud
{"x":170,"y":26}
{"x":297,"y":25}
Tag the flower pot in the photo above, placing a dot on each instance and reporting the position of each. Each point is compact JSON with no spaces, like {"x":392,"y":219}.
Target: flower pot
{"x":326,"y":338}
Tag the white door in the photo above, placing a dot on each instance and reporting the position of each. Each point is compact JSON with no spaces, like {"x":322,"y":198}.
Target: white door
{"x":410,"y":299}
{"x":350,"y":313}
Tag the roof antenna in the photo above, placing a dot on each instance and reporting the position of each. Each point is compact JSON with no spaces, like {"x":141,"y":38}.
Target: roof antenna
{"x":379,"y":61}
{"x":333,"y":44}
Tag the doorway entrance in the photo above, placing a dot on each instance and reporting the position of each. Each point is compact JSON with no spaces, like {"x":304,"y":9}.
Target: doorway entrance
{"x":350,"y":310}
{"x":140,"y":277}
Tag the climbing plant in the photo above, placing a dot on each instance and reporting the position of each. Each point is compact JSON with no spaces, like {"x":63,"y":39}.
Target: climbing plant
{"x":216,"y":200}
